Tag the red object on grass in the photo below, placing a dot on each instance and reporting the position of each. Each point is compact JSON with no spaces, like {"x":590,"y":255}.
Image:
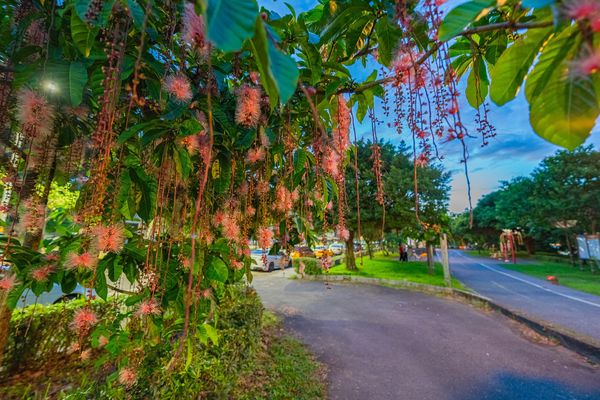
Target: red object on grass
{"x":552,"y":279}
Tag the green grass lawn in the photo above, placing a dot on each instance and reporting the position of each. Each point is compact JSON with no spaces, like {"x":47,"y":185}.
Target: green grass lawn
{"x":388,"y":267}
{"x":567,"y":275}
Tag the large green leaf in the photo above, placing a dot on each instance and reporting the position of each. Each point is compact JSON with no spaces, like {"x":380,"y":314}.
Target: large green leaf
{"x":230,"y":22}
{"x":387,"y":36}
{"x":566,"y":111}
{"x":83,"y":35}
{"x":537,"y":3}
{"x":460,"y":17}
{"x":284,"y":71}
{"x":512,"y":66}
{"x":477,"y":84}
{"x":278,"y":72}
{"x":216,"y":269}
{"x":77,"y":81}
{"x":553,"y":54}
{"x":137,"y":13}
{"x":342,"y":21}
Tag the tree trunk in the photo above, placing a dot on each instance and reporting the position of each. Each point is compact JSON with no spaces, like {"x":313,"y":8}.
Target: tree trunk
{"x":5,"y":316}
{"x":530,"y":246}
{"x":369,"y":249}
{"x":350,"y":259}
{"x":430,"y":264}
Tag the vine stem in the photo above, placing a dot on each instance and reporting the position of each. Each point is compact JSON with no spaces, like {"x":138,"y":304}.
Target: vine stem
{"x":480,"y":29}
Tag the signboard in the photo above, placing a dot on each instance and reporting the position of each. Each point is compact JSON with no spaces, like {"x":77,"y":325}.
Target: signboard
{"x":589,"y":247}
{"x":582,"y":248}
{"x":593,"y":242}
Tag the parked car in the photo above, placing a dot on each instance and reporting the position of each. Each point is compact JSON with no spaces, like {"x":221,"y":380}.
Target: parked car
{"x":322,"y":251}
{"x":302,"y":251}
{"x":268,"y":262}
{"x":337,"y":248}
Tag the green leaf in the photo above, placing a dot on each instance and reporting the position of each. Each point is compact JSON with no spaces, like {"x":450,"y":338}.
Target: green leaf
{"x":230,"y":22}
{"x":536,"y":3}
{"x":566,"y":111}
{"x":100,"y":286}
{"x":553,"y":55}
{"x":216,"y":270}
{"x":477,"y":77}
{"x":212,"y":333}
{"x":285,"y":73}
{"x":83,"y":36}
{"x":388,"y":36}
{"x":77,"y":81}
{"x":460,"y":17}
{"x":137,"y":13}
{"x":512,"y":66}
{"x":342,"y":21}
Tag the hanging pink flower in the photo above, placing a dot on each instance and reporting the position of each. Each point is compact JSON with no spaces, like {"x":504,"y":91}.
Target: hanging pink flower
{"x":256,"y":154}
{"x":247,"y":112}
{"x":109,"y":238}
{"x":231,"y":228}
{"x":85,"y":355}
{"x":148,"y":307}
{"x":127,"y":377}
{"x":237,"y":264}
{"x":83,"y":320}
{"x":588,"y":64}
{"x":36,"y":33}
{"x":264,"y":238}
{"x":283,"y":199}
{"x":8,"y":282}
{"x":343,"y":233}
{"x":254,"y":77}
{"x":250,"y":211}
{"x":580,"y":10}
{"x":342,"y":119}
{"x":194,"y":29}
{"x":102,"y":341}
{"x":34,"y":217}
{"x":34,"y":113}
{"x":331,"y":163}
{"x":84,"y":260}
{"x":179,"y":87}
{"x":422,"y":160}
{"x":41,"y":274}
{"x":262,"y":187}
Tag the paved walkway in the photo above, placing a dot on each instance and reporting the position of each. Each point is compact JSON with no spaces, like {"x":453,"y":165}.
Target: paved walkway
{"x":559,"y":305}
{"x":382,"y":343}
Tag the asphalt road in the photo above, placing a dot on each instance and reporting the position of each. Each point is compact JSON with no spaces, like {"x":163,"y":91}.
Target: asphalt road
{"x":559,"y":305}
{"x":383,"y":343}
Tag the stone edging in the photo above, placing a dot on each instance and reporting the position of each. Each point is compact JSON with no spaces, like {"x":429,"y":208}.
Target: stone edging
{"x":586,"y":346}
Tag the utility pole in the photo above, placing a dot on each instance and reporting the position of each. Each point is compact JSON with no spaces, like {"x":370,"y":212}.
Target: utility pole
{"x":445,"y":259}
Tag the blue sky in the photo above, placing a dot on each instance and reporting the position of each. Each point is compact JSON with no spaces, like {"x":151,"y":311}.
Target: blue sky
{"x":515,"y":151}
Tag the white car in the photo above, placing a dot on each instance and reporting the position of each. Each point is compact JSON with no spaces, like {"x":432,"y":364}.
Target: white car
{"x":337,"y":248}
{"x":268,"y":262}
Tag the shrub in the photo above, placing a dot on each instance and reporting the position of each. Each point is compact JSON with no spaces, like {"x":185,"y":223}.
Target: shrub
{"x":311,"y":265}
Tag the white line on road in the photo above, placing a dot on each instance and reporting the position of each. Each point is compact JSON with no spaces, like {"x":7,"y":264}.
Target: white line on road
{"x":533,"y":284}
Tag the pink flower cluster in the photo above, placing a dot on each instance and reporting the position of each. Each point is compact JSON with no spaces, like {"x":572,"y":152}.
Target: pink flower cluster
{"x":84,"y":260}
{"x":148,"y":307}
{"x":588,"y":64}
{"x":34,"y":113}
{"x":343,"y":233}
{"x":178,"y":86}
{"x":34,"y":217}
{"x":331,"y":163}
{"x":264,"y":238}
{"x":342,"y":119}
{"x":8,"y":282}
{"x":247,"y":112}
{"x":83,"y":320}
{"x":255,"y":154}
{"x":231,"y":227}
{"x":283,"y":199}
{"x":584,"y":10}
{"x":194,"y":29}
{"x":109,"y":238}
{"x":127,"y":377}
{"x":41,"y":274}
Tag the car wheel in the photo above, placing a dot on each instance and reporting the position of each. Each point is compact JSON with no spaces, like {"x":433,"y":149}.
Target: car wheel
{"x":271,"y":266}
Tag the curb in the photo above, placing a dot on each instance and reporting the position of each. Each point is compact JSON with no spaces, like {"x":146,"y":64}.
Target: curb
{"x":583,"y":345}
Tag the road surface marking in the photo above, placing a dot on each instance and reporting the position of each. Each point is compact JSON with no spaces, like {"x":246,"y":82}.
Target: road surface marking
{"x":532,"y":283}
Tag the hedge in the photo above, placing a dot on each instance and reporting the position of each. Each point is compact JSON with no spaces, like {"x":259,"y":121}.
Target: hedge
{"x":311,"y":265}
{"x":212,"y":373}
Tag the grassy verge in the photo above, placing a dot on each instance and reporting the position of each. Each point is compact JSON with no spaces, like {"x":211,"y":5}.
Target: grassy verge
{"x":567,"y":275}
{"x":283,"y":369}
{"x":388,"y":267}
